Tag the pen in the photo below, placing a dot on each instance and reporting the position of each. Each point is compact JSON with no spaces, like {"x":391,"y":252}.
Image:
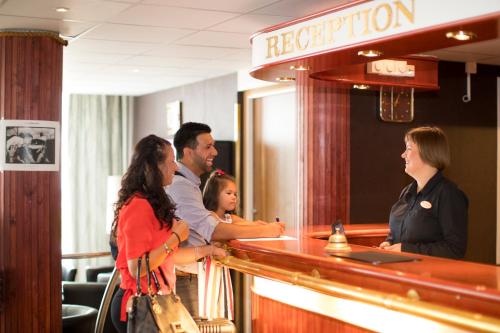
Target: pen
{"x":277,"y":219}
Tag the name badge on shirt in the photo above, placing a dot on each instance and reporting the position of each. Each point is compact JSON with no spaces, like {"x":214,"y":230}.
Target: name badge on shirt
{"x":426,"y":204}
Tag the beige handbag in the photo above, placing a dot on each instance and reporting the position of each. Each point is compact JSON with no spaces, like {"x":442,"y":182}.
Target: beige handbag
{"x":156,"y":313}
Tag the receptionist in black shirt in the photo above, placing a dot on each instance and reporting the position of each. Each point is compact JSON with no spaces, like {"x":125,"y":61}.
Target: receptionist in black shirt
{"x":430,"y":216}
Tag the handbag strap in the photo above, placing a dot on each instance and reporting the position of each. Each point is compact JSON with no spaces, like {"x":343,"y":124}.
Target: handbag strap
{"x":138,"y":277}
{"x":148,"y":270}
{"x":149,"y":274}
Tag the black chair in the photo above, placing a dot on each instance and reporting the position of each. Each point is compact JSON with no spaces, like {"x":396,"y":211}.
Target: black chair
{"x":68,"y":273}
{"x":92,"y":272}
{"x":78,"y":318}
{"x":85,"y":293}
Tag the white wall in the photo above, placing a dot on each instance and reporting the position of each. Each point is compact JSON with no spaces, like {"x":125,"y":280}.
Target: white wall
{"x":210,"y":102}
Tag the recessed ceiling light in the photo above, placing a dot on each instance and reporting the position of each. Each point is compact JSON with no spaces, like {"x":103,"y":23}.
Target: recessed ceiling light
{"x":370,"y":53}
{"x":136,"y":70}
{"x":285,"y":79}
{"x":299,"y":68}
{"x":461,"y":35}
{"x":360,"y":86}
{"x":62,"y":9}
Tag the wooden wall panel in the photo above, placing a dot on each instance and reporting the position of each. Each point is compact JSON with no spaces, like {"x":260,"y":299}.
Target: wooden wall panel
{"x":269,"y":316}
{"x":30,"y":209}
{"x":324,"y":134}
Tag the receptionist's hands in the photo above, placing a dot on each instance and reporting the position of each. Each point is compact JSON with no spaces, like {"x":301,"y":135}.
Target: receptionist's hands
{"x":384,"y":245}
{"x":395,"y":247}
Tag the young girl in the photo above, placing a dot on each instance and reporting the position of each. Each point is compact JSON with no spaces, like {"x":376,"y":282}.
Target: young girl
{"x":220,"y":195}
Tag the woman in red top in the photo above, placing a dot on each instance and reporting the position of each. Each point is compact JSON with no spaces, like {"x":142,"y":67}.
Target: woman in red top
{"x":145,"y":222}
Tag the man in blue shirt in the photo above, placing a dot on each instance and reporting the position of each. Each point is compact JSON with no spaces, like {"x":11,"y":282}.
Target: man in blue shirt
{"x":195,"y":154}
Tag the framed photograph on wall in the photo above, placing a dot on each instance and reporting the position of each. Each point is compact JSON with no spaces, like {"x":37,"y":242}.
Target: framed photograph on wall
{"x":174,"y":118}
{"x":29,"y":145}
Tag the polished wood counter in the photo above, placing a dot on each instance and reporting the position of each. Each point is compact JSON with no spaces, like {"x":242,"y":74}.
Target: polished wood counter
{"x":454,"y":284}
{"x":359,"y":234}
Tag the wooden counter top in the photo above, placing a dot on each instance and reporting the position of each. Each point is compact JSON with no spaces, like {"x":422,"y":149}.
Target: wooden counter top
{"x":458,"y":284}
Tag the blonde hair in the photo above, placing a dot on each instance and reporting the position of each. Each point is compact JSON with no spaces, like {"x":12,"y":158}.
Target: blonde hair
{"x":432,"y":145}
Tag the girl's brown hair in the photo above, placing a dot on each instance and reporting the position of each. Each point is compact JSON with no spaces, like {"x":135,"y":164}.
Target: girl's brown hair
{"x":214,"y":185}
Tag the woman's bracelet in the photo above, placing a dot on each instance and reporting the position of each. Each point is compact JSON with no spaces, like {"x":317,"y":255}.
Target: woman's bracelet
{"x":178,"y":237}
{"x":167,"y":248}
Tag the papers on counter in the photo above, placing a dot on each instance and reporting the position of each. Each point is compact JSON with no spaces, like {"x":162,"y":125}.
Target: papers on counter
{"x":266,"y":239}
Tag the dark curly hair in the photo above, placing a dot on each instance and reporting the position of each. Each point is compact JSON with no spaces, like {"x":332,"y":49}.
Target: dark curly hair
{"x":186,"y":136}
{"x":144,"y":178}
{"x":214,"y":185}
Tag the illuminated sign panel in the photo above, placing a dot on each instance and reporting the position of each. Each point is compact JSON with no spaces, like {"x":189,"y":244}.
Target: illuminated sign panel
{"x":368,"y":21}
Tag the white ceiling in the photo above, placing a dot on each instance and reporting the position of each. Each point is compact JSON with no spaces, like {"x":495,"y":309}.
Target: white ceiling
{"x":135,"y":47}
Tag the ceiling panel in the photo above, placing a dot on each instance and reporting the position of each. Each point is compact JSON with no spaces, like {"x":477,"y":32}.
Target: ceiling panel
{"x":240,"y":55}
{"x":105,"y":46}
{"x":489,"y":47}
{"x":128,"y":1}
{"x":92,"y":57}
{"x":91,"y":10}
{"x":140,"y":46}
{"x":136,"y":33}
{"x":222,"y":39}
{"x":225,"y":63}
{"x":249,"y":23}
{"x":458,"y":56}
{"x":299,"y":8}
{"x":240,"y":6}
{"x":66,"y":28}
{"x":71,"y":67}
{"x":160,"y":61}
{"x":174,"y":17}
{"x":193,"y":52}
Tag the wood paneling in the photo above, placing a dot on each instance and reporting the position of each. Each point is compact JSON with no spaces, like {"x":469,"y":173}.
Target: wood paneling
{"x":359,"y":234}
{"x":425,"y":75}
{"x":30,"y":210}
{"x":324,"y":142}
{"x":269,"y":316}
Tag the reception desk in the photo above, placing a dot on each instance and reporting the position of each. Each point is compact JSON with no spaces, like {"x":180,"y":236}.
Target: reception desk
{"x":298,"y":287}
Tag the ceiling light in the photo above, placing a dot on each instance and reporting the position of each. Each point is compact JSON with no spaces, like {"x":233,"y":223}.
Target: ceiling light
{"x":62,"y":9}
{"x":360,"y":86}
{"x":285,"y":79}
{"x":299,"y":68}
{"x":461,"y":35}
{"x":370,"y":53}
{"x":136,"y":70}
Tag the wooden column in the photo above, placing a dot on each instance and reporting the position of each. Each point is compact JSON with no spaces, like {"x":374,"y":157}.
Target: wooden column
{"x":30,"y":202}
{"x":324,"y":135}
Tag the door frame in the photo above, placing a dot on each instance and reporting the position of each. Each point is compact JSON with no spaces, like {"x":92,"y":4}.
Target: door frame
{"x":248,"y":129}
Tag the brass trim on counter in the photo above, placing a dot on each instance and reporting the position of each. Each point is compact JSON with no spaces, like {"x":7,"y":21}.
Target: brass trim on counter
{"x":442,"y":314}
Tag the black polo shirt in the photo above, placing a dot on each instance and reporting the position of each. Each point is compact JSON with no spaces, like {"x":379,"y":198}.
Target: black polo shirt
{"x":431,"y":222}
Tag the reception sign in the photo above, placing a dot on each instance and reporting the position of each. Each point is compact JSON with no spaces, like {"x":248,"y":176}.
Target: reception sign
{"x":365,"y":22}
